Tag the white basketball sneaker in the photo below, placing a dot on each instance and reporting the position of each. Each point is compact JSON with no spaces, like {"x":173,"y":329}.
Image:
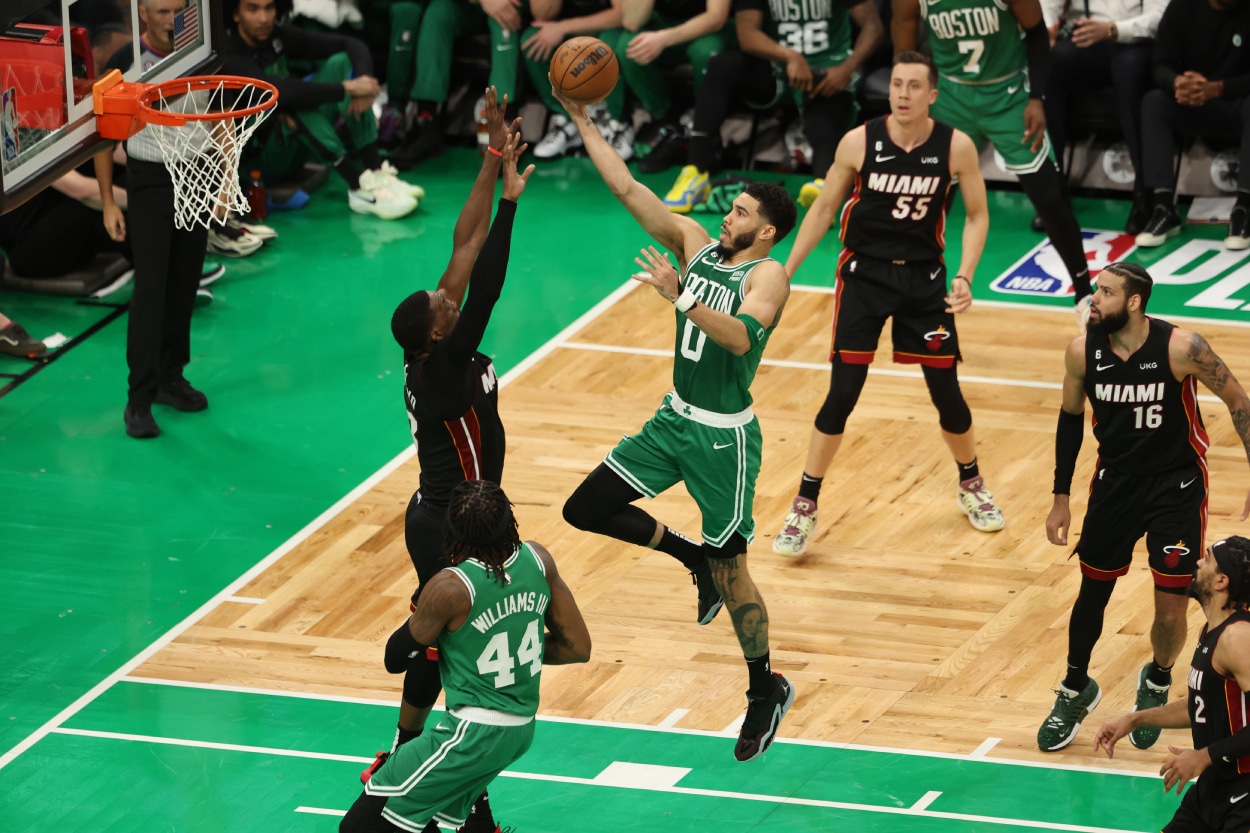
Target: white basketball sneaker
{"x":390,"y":174}
{"x":799,"y":526}
{"x":375,"y":196}
{"x":562,"y":136}
{"x":978,"y":504}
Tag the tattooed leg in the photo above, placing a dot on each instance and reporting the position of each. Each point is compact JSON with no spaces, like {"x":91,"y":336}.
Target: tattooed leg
{"x":744,"y":603}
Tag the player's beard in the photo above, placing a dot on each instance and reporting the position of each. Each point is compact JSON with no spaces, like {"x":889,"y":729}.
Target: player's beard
{"x":736,"y":244}
{"x":1108,"y":323}
{"x":1199,"y":591}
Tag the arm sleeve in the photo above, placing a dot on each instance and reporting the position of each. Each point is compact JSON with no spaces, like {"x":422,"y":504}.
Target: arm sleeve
{"x":1069,"y":435}
{"x":1227,"y":751}
{"x":293,"y":93}
{"x":1037,"y":50}
{"x":485,"y":284}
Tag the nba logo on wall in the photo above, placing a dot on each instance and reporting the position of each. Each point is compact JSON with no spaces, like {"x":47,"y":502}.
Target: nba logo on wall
{"x":1041,"y":273}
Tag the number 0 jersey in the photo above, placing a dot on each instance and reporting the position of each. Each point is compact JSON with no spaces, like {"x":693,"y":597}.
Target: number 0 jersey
{"x":495,"y":659}
{"x":974,"y":41}
{"x":897,"y":209}
{"x":1145,"y":421}
{"x":1218,"y":707}
{"x":705,"y":374}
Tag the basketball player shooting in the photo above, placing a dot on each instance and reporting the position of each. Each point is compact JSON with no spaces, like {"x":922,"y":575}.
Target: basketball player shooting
{"x":900,"y":171}
{"x":729,"y":299}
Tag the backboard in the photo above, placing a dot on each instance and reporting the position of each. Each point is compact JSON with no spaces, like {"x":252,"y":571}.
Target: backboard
{"x":54,"y":50}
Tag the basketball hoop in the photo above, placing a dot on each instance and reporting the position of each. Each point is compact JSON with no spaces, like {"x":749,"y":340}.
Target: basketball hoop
{"x":201,"y":123}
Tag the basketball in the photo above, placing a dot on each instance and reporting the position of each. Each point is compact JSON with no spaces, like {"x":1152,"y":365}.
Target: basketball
{"x":584,"y":69}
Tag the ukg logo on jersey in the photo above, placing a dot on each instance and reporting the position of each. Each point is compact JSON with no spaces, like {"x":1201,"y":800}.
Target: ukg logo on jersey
{"x":1041,"y":273}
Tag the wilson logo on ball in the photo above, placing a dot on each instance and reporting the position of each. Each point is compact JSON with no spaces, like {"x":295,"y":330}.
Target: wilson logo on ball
{"x":600,"y":54}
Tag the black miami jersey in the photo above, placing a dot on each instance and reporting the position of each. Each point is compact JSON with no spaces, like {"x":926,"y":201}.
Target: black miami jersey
{"x":455,"y":426}
{"x":1145,"y":421}
{"x":897,"y":208}
{"x":1218,"y":708}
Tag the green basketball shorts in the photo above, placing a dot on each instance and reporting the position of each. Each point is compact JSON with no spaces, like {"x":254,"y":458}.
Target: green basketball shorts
{"x":719,"y":463}
{"x":994,"y":112}
{"x":441,"y":773}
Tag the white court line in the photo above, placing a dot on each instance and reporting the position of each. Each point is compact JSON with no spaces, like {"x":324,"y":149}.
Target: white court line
{"x":320,"y":811}
{"x":673,"y":719}
{"x":736,"y":726}
{"x":914,"y":810}
{"x":823,"y":367}
{"x":643,"y":727}
{"x":925,"y":800}
{"x":1020,"y":305}
{"x":246,"y":600}
{"x":292,"y":542}
{"x":985,"y":747}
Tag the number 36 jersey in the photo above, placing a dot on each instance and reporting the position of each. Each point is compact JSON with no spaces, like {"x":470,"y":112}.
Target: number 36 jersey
{"x":820,"y":30}
{"x":897,"y":207}
{"x":1145,"y":421}
{"x":495,"y":659}
{"x":974,"y":41}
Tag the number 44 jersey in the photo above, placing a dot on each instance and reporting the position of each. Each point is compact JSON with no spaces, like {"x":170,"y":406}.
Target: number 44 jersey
{"x":495,"y":659}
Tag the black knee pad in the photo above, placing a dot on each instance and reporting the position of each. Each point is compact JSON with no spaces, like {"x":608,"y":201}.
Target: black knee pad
{"x":1095,"y":592}
{"x":422,"y":682}
{"x":845,"y":383}
{"x":735,"y":546}
{"x":953,"y":413}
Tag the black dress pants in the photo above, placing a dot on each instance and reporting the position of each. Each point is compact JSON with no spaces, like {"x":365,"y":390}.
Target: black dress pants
{"x":1163,"y":118}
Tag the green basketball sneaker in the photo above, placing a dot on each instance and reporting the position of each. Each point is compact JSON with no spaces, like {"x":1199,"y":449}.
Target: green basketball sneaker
{"x":1070,"y":710}
{"x":1149,"y":696}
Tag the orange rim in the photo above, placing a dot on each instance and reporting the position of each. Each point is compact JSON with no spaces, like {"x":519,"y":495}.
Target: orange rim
{"x":196,"y":83}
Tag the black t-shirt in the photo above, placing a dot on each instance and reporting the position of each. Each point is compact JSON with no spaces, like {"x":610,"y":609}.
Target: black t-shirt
{"x":269,"y":61}
{"x":680,"y":9}
{"x":1216,"y":44}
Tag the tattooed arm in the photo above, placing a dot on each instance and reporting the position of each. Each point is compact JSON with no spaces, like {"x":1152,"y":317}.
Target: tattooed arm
{"x":568,"y":640}
{"x":1191,"y":355}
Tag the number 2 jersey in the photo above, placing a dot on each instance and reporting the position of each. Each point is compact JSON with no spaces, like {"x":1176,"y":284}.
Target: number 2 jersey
{"x":897,"y":208}
{"x":495,"y":659}
{"x":974,"y":41}
{"x":1145,"y":421}
{"x":1217,"y":706}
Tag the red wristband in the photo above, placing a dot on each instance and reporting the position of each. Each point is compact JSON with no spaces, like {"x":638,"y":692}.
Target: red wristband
{"x":496,"y":152}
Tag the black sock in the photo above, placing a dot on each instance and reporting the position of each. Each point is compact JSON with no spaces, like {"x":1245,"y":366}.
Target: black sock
{"x":1163,"y":197}
{"x":370,"y":156}
{"x":1243,"y":199}
{"x":1081,"y":286}
{"x":429,"y":109}
{"x":1159,"y":675}
{"x":685,"y":550}
{"x":760,"y":674}
{"x":403,"y":735}
{"x":809,"y":487}
{"x":967,"y":471}
{"x":347,"y":169}
{"x":1077,"y":679}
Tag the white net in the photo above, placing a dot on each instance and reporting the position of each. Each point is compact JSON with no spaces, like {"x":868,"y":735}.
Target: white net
{"x":203,"y":155}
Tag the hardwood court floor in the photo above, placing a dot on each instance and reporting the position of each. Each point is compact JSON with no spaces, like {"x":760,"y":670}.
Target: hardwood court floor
{"x":901,"y":627}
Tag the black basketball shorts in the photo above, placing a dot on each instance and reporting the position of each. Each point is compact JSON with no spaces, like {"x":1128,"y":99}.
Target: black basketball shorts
{"x":423,"y":533}
{"x":1170,"y":509}
{"x":913,"y":294}
{"x":1213,"y":806}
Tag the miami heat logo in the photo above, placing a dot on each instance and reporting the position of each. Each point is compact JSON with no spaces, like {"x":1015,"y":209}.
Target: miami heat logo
{"x":1172,"y":555}
{"x":934,"y":339}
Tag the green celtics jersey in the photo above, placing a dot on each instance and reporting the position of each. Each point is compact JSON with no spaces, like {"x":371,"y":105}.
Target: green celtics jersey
{"x":494,"y":660}
{"x":820,"y":30}
{"x":974,"y":41}
{"x":705,"y":374}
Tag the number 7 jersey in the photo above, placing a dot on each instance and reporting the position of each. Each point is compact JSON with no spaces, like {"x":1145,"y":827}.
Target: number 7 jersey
{"x":494,"y":661}
{"x":974,"y":41}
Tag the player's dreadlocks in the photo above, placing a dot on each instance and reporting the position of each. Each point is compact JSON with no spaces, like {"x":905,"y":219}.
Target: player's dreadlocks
{"x":480,"y":525}
{"x":1232,"y":556}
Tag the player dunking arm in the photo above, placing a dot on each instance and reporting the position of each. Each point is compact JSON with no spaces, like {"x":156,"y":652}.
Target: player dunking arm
{"x":1215,"y":710}
{"x":901,"y":168}
{"x":991,"y":82}
{"x":490,"y":662}
{"x":729,"y":299}
{"x":450,"y":388}
{"x":1140,"y":375}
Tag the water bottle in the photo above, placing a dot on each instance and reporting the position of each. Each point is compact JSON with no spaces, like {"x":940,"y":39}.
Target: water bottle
{"x":257,"y":199}
{"x":483,"y":133}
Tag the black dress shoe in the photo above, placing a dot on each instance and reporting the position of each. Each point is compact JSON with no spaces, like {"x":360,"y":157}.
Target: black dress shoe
{"x":180,"y":396}
{"x":139,"y":422}
{"x":670,"y":151}
{"x":1139,"y":214}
